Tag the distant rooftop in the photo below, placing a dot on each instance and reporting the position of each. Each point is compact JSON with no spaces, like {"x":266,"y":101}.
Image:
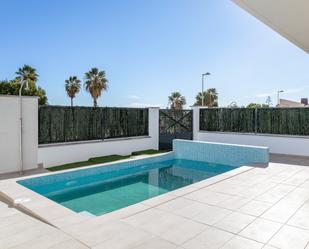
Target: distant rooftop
{"x":291,"y":103}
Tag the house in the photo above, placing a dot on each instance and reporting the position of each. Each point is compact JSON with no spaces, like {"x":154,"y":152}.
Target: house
{"x":290,"y":103}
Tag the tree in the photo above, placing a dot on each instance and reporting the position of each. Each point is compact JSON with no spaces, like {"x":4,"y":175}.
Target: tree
{"x":12,"y":88}
{"x":268,"y":101}
{"x":210,"y":98}
{"x":256,"y":105}
{"x":72,"y":87}
{"x":233,"y":105}
{"x":95,"y":83}
{"x":40,"y":92}
{"x":27,"y":73}
{"x":176,"y":101}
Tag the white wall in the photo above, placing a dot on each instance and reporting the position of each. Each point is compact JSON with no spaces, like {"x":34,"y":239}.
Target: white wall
{"x":196,"y":121}
{"x":9,"y":133}
{"x":276,"y":144}
{"x":53,"y":155}
{"x":291,"y":145}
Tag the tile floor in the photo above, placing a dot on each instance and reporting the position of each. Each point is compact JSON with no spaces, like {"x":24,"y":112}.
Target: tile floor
{"x":20,"y":231}
{"x":261,"y":208}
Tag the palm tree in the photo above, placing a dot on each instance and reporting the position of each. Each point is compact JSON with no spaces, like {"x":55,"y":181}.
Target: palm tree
{"x":95,"y":83}
{"x":72,"y":87}
{"x":210,"y":98}
{"x":28,"y":73}
{"x":176,"y":101}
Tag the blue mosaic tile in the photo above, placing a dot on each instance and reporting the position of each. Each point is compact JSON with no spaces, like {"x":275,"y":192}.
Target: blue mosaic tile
{"x":220,"y":153}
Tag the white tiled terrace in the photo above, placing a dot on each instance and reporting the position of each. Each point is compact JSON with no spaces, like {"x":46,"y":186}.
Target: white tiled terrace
{"x":19,"y":230}
{"x":246,"y":209}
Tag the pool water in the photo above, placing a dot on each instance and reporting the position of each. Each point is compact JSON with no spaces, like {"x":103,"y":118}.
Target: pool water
{"x":105,"y":192}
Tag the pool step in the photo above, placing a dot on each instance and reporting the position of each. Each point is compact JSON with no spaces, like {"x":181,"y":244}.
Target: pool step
{"x":18,"y":206}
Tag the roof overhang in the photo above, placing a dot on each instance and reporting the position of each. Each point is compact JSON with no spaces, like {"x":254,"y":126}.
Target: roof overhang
{"x":290,"y":18}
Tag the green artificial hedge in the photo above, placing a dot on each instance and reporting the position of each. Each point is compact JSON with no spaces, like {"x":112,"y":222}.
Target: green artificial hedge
{"x":66,"y":124}
{"x":285,"y":121}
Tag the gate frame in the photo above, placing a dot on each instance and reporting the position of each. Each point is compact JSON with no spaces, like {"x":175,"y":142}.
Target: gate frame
{"x":176,"y":122}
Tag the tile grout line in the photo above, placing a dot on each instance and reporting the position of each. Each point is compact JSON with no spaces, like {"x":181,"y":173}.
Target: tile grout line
{"x":213,"y":205}
{"x":285,"y":223}
{"x":282,"y":224}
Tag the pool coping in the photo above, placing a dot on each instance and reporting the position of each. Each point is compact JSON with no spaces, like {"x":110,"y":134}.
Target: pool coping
{"x":61,"y":217}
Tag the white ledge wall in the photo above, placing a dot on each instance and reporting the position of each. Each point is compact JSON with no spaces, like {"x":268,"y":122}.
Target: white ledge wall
{"x":9,"y":133}
{"x":54,"y":155}
{"x":277,"y":144}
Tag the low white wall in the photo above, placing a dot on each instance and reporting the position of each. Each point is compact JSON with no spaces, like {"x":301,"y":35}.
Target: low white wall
{"x":53,"y":155}
{"x":276,"y":144}
{"x":9,"y":133}
{"x":290,"y":145}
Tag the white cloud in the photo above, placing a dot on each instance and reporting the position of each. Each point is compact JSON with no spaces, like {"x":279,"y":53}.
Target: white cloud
{"x":296,"y":90}
{"x":263,"y":95}
{"x":133,"y":97}
{"x":289,"y":90}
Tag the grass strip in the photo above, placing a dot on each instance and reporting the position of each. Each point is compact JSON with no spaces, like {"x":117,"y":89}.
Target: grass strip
{"x":70,"y":166}
{"x":147,"y":152}
{"x":103,"y":159}
{"x":91,"y":161}
{"x":107,"y":159}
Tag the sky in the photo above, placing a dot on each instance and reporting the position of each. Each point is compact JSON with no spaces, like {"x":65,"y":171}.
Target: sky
{"x":150,"y":49}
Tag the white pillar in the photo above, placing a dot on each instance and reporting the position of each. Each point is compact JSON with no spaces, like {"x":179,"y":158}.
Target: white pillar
{"x":9,"y":133}
{"x":153,"y":125}
{"x":196,"y":122}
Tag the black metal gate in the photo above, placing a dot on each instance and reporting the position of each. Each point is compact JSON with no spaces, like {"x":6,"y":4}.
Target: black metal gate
{"x":174,"y":124}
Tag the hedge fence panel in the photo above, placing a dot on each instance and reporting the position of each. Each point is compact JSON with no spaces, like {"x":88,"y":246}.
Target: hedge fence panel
{"x":227,"y":119}
{"x":125,"y":122}
{"x":59,"y":124}
{"x":209,"y":119}
{"x":283,"y":121}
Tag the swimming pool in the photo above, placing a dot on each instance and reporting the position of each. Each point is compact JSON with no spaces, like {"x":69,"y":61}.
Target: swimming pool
{"x":103,"y":189}
{"x":105,"y":192}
